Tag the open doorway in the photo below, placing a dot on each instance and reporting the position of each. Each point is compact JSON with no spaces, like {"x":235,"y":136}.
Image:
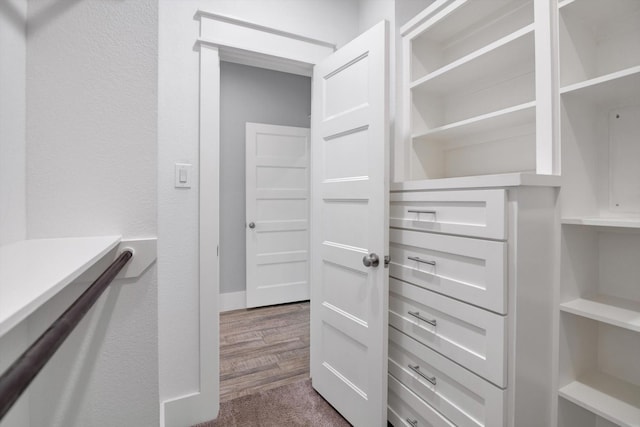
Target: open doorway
{"x":259,"y":96}
{"x":264,"y":347}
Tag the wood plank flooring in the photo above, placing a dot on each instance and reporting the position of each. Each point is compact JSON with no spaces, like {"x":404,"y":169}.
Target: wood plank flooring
{"x":263,"y":348}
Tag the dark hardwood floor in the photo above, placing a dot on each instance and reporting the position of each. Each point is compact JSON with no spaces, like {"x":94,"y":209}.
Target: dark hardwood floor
{"x":263,"y":348}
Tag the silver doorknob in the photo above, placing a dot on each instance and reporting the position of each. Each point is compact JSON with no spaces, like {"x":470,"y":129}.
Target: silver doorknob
{"x":252,"y":225}
{"x":371,"y":260}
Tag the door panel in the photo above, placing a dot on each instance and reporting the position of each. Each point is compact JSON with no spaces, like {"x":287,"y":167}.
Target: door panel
{"x":350,"y":221}
{"x":277,"y":191}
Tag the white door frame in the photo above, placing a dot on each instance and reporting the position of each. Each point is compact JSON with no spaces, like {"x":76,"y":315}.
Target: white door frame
{"x":233,"y":40}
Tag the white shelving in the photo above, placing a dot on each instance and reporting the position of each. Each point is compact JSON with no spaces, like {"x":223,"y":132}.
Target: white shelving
{"x":600,"y":298}
{"x":604,"y":308}
{"x":472,"y":74}
{"x":33,"y":271}
{"x":604,"y":222}
{"x":450,"y":30}
{"x":615,"y":87}
{"x":610,"y":398}
{"x":597,"y":38}
{"x":515,"y":47}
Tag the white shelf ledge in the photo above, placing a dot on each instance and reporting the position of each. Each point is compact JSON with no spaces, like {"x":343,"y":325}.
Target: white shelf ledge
{"x":603,"y":222}
{"x":609,"y":88}
{"x":33,"y":271}
{"x":603,"y":308}
{"x":608,"y":397}
{"x":480,"y":181}
{"x":508,"y":117}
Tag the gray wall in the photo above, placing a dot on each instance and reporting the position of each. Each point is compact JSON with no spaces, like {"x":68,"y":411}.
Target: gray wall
{"x":249,"y":94}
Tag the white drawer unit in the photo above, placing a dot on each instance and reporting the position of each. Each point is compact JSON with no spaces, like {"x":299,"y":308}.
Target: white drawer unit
{"x":461,"y":396}
{"x":472,"y":270}
{"x":468,"y":335}
{"x":478,"y":213}
{"x":405,"y":409}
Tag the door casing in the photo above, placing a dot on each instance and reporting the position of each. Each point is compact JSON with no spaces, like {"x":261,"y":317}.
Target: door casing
{"x":244,"y":42}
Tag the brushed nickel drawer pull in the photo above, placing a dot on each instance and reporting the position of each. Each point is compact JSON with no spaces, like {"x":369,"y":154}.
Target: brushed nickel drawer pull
{"x":416,"y":314}
{"x":419,"y":211}
{"x":413,"y":423}
{"x":416,"y":369}
{"x":424,"y":261}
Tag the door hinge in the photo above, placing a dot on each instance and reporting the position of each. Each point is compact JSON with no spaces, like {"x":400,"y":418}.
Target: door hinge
{"x":387,"y":260}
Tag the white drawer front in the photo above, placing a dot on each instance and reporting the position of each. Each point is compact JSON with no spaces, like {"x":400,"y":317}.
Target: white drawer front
{"x":471,"y":270}
{"x":462,"y":397}
{"x":405,"y":409}
{"x":479,"y":213}
{"x":468,"y":335}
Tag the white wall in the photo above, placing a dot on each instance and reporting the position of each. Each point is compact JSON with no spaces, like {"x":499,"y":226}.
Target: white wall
{"x":331,"y":20}
{"x":370,"y":13}
{"x":91,"y":169}
{"x":249,"y":94}
{"x":407,"y":9}
{"x":13,"y":15}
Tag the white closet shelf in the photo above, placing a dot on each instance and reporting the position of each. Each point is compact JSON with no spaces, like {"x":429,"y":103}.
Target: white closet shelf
{"x":513,"y":48}
{"x":613,"y":87}
{"x":608,"y":397}
{"x":607,"y":309}
{"x":516,"y":179}
{"x":33,"y":271}
{"x":508,"y":117}
{"x":603,"y":222}
{"x":450,"y":22}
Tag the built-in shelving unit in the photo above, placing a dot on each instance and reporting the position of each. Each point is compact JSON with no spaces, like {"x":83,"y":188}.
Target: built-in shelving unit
{"x":599,"y":377}
{"x":471,"y":79}
{"x":33,"y":271}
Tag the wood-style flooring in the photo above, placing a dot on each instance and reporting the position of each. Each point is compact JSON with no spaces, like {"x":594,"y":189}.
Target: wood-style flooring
{"x":263,"y":348}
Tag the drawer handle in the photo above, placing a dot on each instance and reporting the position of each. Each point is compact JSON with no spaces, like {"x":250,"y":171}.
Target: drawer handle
{"x":416,"y":314}
{"x":424,"y":261}
{"x":413,"y":423}
{"x":417,"y":211}
{"x":416,"y":369}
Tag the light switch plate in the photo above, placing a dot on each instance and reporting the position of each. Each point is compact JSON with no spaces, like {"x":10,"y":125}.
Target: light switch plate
{"x":183,"y":175}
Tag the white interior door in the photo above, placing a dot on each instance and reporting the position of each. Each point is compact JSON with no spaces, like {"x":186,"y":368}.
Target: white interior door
{"x":277,"y":232}
{"x":349,"y":221}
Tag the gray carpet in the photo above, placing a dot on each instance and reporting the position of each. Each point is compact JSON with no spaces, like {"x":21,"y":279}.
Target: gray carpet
{"x":295,"y":405}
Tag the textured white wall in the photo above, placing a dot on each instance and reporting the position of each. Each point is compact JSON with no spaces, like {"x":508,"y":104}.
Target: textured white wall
{"x":13,"y":15}
{"x":331,"y":20}
{"x":91,"y":169}
{"x":370,"y":13}
{"x":249,"y":94}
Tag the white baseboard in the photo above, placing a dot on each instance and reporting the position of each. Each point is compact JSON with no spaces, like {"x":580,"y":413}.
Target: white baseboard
{"x":232,"y":301}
